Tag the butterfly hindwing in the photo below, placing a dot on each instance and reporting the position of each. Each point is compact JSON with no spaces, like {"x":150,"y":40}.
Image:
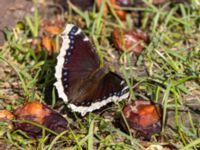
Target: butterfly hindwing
{"x":110,"y":88}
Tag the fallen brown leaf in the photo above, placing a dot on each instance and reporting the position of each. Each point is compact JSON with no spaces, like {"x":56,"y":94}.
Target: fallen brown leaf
{"x":41,"y":114}
{"x":129,"y":40}
{"x":53,"y":29}
{"x":144,"y":118}
{"x":6,"y":115}
{"x":119,"y":12}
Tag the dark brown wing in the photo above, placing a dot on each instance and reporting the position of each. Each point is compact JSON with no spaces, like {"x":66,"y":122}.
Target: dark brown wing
{"x":109,"y":88}
{"x":76,"y":61}
{"x":83,"y":61}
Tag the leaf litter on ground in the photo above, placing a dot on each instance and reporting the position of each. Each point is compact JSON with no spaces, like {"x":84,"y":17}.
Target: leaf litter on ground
{"x":169,"y":64}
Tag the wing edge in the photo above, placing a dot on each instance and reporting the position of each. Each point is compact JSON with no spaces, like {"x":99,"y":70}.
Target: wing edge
{"x":97,"y":105}
{"x":60,"y":61}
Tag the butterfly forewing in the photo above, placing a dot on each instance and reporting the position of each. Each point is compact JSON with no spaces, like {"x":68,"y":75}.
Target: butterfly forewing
{"x":80,"y":61}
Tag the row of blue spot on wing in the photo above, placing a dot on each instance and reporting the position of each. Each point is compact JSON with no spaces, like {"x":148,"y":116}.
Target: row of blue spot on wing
{"x":89,"y":102}
{"x":65,"y":71}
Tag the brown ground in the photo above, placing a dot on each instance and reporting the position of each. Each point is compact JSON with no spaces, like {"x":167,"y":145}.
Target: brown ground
{"x":12,"y":11}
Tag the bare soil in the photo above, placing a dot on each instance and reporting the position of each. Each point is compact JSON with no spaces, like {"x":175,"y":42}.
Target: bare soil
{"x":12,"y":11}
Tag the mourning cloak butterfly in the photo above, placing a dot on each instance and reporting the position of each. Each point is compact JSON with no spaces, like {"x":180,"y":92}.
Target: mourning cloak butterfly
{"x":81,"y":82}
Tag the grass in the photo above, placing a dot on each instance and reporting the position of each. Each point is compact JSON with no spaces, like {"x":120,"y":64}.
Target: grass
{"x":166,"y":72}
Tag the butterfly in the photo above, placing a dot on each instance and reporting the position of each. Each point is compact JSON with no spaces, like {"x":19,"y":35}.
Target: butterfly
{"x":81,"y":81}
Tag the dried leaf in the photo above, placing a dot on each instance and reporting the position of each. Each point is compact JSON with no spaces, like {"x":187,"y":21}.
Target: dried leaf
{"x":53,"y":29}
{"x":47,"y":44}
{"x":144,"y":118}
{"x":120,"y":13}
{"x":6,"y":115}
{"x":129,"y":40}
{"x":41,"y":114}
{"x":99,"y":3}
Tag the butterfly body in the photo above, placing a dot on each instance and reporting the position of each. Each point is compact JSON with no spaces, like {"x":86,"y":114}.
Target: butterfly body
{"x":81,"y":81}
